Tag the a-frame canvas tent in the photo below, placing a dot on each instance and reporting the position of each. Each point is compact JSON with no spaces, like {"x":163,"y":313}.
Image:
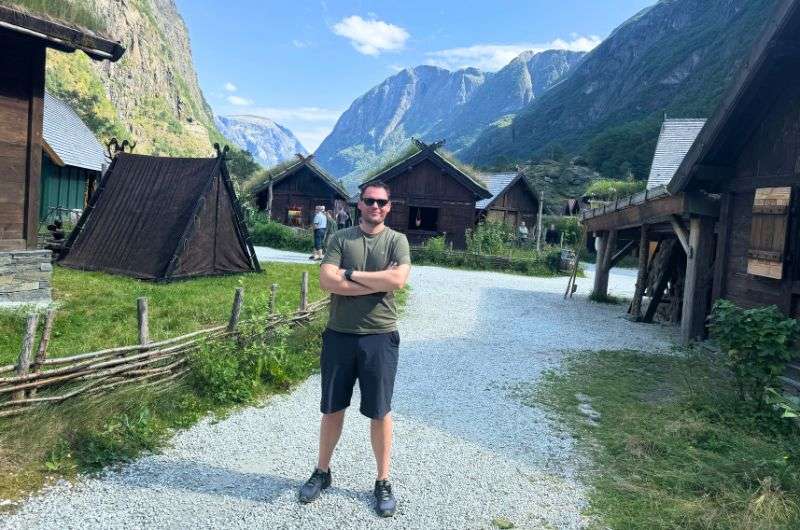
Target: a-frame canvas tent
{"x":163,"y":219}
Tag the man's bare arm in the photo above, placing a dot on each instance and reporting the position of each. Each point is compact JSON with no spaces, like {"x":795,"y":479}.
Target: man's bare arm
{"x":391,"y":279}
{"x":332,"y":280}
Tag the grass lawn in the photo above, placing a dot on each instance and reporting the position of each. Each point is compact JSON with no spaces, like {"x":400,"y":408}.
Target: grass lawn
{"x":97,"y":310}
{"x":673,"y":447}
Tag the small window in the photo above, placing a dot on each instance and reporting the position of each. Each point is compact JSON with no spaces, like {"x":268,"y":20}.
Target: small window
{"x":423,"y":219}
{"x":295,"y":217}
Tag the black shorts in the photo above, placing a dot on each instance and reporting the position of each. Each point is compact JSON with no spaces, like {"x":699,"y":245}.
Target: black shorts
{"x":372,"y":359}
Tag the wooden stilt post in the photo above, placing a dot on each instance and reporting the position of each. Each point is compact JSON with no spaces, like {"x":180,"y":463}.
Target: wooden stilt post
{"x":272,"y":293}
{"x":697,"y":281}
{"x":41,"y":353}
{"x":608,"y":243}
{"x":144,"y":325}
{"x":24,"y":363}
{"x":641,"y":277}
{"x":304,"y":291}
{"x":236,"y":310}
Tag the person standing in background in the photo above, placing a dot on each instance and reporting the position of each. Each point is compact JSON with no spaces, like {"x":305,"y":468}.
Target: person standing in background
{"x":342,"y":217}
{"x":320,"y":223}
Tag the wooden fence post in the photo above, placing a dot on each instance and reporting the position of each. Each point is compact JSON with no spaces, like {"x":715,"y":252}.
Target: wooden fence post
{"x":41,"y":353}
{"x":144,"y":324}
{"x":236,"y":310}
{"x":304,"y":292}
{"x":24,"y":363}
{"x":272,"y":291}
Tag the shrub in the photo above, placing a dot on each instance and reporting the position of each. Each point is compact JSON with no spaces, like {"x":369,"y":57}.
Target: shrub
{"x":757,"y":343}
{"x":609,"y":189}
{"x":490,"y":237}
{"x":269,"y":233}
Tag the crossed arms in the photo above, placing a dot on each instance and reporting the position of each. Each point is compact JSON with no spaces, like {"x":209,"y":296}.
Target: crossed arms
{"x":331,"y":279}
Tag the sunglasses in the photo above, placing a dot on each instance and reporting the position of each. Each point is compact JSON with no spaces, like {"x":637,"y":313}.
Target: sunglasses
{"x":369,"y":201}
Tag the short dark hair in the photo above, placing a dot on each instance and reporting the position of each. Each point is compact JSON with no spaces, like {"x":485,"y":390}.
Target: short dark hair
{"x":376,"y":184}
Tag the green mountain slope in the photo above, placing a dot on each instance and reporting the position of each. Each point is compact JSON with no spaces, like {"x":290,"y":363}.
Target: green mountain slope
{"x":675,"y":57}
{"x":151,"y":95}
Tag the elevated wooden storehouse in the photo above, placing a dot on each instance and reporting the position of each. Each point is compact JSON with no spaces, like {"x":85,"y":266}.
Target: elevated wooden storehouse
{"x":24,"y":273}
{"x":72,"y":161}
{"x":431,"y":196}
{"x":749,"y":154}
{"x":163,"y":219}
{"x":295,"y":189}
{"x":513,"y":200}
{"x":732,"y":201}
{"x":659,"y":226}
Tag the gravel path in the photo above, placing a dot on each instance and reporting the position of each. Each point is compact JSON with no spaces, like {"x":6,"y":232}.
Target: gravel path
{"x":466,"y":452}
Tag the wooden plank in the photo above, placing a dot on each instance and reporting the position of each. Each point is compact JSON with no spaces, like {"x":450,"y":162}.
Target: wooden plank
{"x":654,"y":210}
{"x":661,"y":282}
{"x":766,"y":268}
{"x":641,"y":278}
{"x":621,"y":253}
{"x":681,"y":232}
{"x":723,"y":246}
{"x":34,"y":155}
{"x":697,"y":279}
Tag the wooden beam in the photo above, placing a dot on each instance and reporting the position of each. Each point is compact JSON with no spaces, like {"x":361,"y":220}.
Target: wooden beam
{"x":661,"y":283}
{"x":641,"y":278}
{"x":683,"y":235}
{"x":652,"y":211}
{"x":34,"y":154}
{"x":621,"y":254}
{"x":723,"y":243}
{"x":603,"y":266}
{"x":696,"y":285}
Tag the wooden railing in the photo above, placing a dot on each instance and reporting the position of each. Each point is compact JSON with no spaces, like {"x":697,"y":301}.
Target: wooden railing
{"x":144,"y":364}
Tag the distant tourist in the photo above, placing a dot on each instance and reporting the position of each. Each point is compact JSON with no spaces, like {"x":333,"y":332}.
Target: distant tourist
{"x":342,"y":218}
{"x":363,"y":266}
{"x":320,"y":226}
{"x":522,"y":233}
{"x":331,"y":228}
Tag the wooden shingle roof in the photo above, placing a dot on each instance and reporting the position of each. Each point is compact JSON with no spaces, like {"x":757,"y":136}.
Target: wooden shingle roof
{"x":59,"y":35}
{"x":69,"y":139}
{"x":674,"y":141}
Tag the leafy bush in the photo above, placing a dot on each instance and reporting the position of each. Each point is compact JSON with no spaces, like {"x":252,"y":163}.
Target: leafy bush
{"x":232,"y":372}
{"x":269,"y":233}
{"x":436,"y":244}
{"x":567,"y":225}
{"x":757,"y":342}
{"x":490,"y":237}
{"x":545,"y":263}
{"x":609,"y":189}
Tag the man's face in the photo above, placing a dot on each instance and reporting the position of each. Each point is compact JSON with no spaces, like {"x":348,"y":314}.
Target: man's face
{"x":373,"y":213}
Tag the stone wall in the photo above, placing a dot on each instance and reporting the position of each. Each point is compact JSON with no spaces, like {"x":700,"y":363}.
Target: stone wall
{"x":25,"y":277}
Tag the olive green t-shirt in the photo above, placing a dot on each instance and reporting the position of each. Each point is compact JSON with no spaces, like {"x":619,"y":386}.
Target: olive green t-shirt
{"x":351,"y":248}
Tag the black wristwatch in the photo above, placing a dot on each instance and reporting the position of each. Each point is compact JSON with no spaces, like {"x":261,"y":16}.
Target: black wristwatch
{"x":348,"y":273}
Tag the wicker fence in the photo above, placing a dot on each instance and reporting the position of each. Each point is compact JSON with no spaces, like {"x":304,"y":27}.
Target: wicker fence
{"x":36,"y":380}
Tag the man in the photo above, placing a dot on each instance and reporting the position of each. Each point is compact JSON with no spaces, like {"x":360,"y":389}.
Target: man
{"x":320,"y":225}
{"x":342,"y":217}
{"x":522,"y":234}
{"x":363,"y":266}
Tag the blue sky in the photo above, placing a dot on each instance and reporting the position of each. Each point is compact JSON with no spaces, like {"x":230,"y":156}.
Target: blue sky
{"x":302,"y":62}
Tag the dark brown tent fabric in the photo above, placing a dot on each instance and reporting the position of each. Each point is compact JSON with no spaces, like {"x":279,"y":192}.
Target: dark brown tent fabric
{"x":160,"y":218}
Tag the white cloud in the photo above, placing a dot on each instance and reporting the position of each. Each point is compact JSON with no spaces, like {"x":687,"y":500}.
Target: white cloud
{"x":297,"y":43}
{"x":230,"y":87}
{"x":311,"y":138}
{"x":371,"y":37}
{"x":492,"y":57}
{"x":239,"y":101}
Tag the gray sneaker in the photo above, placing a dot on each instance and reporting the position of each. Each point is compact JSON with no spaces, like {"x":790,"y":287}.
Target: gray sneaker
{"x":319,"y":481}
{"x":385,"y":503}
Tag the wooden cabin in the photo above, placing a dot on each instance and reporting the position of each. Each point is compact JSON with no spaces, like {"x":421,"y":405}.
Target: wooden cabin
{"x":72,"y":162}
{"x":431,"y":196}
{"x":24,"y":38}
{"x":749,"y":154}
{"x":725,"y":224}
{"x":294,"y":189}
{"x":513,"y":200}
